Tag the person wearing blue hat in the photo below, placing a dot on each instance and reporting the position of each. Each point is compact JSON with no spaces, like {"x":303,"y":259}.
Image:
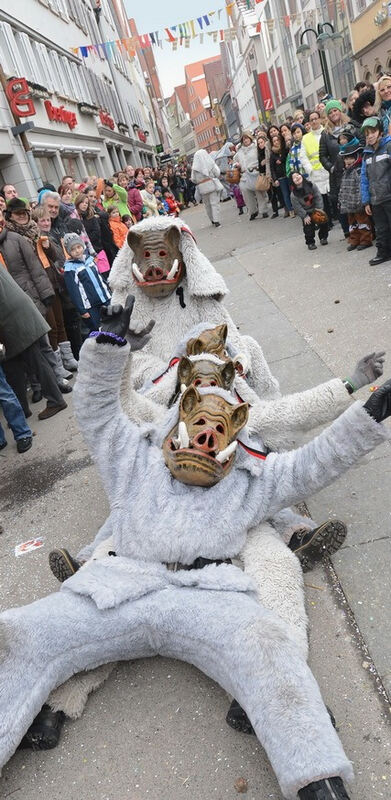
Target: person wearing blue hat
{"x":376,"y":185}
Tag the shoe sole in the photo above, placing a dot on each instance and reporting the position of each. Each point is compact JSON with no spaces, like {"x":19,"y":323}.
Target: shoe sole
{"x":41,"y":736}
{"x":327,"y":539}
{"x":239,"y":721}
{"x":61,"y":565}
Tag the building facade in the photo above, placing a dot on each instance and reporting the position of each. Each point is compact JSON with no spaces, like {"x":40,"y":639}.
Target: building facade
{"x":207,"y":132}
{"x":370,"y":24}
{"x":91,"y":115}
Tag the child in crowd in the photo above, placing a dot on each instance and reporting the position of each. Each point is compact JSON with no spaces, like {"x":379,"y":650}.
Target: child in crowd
{"x":171,"y":203}
{"x":350,"y":202}
{"x":86,"y":288}
{"x":117,"y":227}
{"x":150,"y":208}
{"x":127,"y":220}
{"x":160,"y":203}
{"x":376,"y":185}
{"x":293,"y":162}
{"x":307,"y":202}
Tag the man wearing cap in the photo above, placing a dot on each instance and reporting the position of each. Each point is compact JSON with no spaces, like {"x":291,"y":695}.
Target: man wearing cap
{"x":376,"y":185}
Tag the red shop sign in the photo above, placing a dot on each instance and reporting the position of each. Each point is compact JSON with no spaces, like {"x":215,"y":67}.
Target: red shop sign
{"x":106,"y":120}
{"x":60,"y":114}
{"x":18,"y":94}
{"x":142,"y":136}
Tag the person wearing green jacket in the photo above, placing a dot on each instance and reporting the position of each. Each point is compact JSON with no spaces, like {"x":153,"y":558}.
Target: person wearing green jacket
{"x":117,"y":196}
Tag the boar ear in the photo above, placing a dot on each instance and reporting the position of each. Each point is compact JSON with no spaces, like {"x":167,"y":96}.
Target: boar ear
{"x":189,"y":400}
{"x":222,"y":332}
{"x":172,"y":237}
{"x":239,"y":417}
{"x":227,"y":372}
{"x":198,"y":347}
{"x":134,"y":240}
{"x":185,"y":369}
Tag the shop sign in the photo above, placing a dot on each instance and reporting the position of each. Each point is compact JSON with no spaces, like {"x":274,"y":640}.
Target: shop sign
{"x":19,"y":97}
{"x":106,"y":120}
{"x":265,"y":91}
{"x":141,"y":135}
{"x":60,"y":114}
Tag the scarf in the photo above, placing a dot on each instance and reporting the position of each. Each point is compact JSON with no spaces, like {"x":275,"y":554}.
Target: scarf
{"x":29,"y":231}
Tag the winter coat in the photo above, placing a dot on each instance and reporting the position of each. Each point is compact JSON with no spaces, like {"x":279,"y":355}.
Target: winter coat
{"x":264,"y":155}
{"x":120,"y":202}
{"x":376,"y":173}
{"x":21,"y":324}
{"x":331,"y":160}
{"x":25,"y":267}
{"x":135,"y":201}
{"x":293,"y":161}
{"x":305,"y":203}
{"x":277,"y":165}
{"x":309,"y":157}
{"x":93,"y":230}
{"x":54,"y":255}
{"x":350,"y":190}
{"x":119,"y":231}
{"x":149,"y":204}
{"x":59,"y":225}
{"x":385,"y":116}
{"x":108,"y":243}
{"x":84,"y":284}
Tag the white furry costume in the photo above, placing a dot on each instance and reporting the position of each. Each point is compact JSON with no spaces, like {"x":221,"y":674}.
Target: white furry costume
{"x":132,"y":606}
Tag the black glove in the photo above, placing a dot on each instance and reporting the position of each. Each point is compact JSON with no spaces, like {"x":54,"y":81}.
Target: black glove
{"x":108,"y":183}
{"x":378,"y":404}
{"x":115,"y":319}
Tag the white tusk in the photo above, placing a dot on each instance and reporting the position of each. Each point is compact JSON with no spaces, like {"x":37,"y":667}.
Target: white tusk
{"x":227,"y":453}
{"x":183,"y":434}
{"x":173,"y":271}
{"x":176,"y":443}
{"x":183,"y":387}
{"x":137,"y":273}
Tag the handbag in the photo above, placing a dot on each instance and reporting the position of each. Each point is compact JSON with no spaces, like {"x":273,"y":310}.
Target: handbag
{"x":263,"y":183}
{"x":102,"y":262}
{"x":232,"y":175}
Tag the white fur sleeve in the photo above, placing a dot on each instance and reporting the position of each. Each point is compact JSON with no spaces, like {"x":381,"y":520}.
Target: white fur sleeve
{"x":301,"y":411}
{"x":291,"y":477}
{"x":107,"y":431}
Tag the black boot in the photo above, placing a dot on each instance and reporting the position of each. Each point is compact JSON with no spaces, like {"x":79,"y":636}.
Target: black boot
{"x":311,"y":546}
{"x":240,"y":212}
{"x":327,"y":789}
{"x":44,"y":732}
{"x":62,"y":565}
{"x":238,"y":719}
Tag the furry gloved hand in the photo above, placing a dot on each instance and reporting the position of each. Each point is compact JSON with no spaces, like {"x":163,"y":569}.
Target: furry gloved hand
{"x":367,"y":370}
{"x":116,"y":325}
{"x":378,"y":404}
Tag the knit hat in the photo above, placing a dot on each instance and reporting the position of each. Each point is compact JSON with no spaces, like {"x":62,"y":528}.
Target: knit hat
{"x":332,"y":104}
{"x":297,"y":125}
{"x":247,"y":133}
{"x":71,"y":240}
{"x":15,"y":204}
{"x":351,"y":149}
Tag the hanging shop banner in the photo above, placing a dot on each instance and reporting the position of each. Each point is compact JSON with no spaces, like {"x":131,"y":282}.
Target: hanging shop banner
{"x":264,"y":86}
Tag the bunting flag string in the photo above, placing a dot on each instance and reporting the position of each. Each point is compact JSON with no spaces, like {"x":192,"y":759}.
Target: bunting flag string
{"x":183,"y":33}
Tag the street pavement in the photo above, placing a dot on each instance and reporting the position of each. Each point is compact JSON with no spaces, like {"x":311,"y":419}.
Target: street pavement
{"x":156,"y":729}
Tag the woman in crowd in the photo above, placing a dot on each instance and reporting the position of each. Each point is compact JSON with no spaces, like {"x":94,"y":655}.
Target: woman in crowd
{"x":205,"y":174}
{"x":67,"y":195}
{"x":307,"y":200}
{"x":96,"y":223}
{"x":81,"y":208}
{"x":299,"y":116}
{"x":310,"y":160}
{"x":139,"y":178}
{"x":246,"y":159}
{"x":286,"y":134}
{"x":363,"y":107}
{"x":383,"y":102}
{"x":114,"y":195}
{"x":330,"y":158}
{"x":278,"y":158}
{"x":263,"y":150}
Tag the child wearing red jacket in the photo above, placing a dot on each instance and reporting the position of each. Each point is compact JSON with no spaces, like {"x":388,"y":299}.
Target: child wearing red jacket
{"x":171,"y":203}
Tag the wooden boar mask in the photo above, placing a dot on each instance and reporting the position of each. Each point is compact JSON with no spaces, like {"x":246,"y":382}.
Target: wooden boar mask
{"x":209,"y":341}
{"x":205,"y":373}
{"x":158,"y":267}
{"x":200,"y":449}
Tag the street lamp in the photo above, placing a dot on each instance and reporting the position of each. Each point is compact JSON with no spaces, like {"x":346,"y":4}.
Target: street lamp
{"x":324,"y":41}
